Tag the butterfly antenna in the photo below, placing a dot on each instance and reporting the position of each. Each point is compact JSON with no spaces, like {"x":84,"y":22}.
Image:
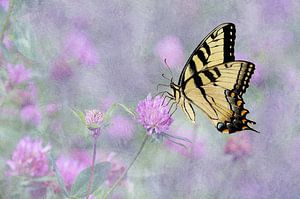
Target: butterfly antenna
{"x":158,"y":85}
{"x":163,"y":75}
{"x":165,"y":60}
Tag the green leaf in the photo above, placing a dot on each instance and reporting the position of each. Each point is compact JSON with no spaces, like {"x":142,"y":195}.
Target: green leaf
{"x":80,"y":115}
{"x":58,"y":177}
{"x":25,"y":40}
{"x":93,"y":126}
{"x":109,"y":112}
{"x":79,"y":189}
{"x":126,"y":109}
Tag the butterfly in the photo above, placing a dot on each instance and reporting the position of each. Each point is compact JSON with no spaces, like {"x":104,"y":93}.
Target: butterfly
{"x":215,"y":82}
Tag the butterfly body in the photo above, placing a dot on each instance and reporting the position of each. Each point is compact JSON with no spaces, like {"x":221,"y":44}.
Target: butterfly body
{"x":214,"y":81}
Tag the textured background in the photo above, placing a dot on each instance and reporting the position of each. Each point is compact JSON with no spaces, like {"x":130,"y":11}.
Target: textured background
{"x":125,"y":43}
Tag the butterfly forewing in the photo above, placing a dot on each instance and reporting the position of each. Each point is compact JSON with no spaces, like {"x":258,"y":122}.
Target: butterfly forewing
{"x":216,"y":48}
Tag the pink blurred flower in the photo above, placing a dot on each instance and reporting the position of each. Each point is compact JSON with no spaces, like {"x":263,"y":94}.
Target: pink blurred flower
{"x":238,"y":146}
{"x":154,"y":115}
{"x":170,"y":48}
{"x":79,"y":47}
{"x":27,"y":96}
{"x":121,"y":127}
{"x":4,"y":4}
{"x":82,"y":156}
{"x":61,"y":71}
{"x":31,"y":114}
{"x":69,"y":168}
{"x":17,"y":74}
{"x":7,"y":41}
{"x":51,"y":109}
{"x":29,"y":159}
{"x":194,"y":150}
{"x":91,"y":197}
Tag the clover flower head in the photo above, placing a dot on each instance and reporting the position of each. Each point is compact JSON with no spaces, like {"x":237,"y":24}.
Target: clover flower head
{"x":61,"y":71}
{"x":93,"y":119}
{"x":31,"y":114}
{"x":69,"y":168}
{"x":17,"y":74}
{"x":29,"y":158}
{"x":154,"y":115}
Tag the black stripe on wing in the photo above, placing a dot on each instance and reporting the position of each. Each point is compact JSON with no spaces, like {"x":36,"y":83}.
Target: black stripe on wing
{"x":238,"y":121}
{"x":208,"y":52}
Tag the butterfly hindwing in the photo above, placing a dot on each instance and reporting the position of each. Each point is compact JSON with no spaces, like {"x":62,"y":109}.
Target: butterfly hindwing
{"x":218,"y":91}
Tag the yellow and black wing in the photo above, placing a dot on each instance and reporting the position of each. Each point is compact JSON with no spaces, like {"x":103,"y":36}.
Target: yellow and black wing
{"x":216,"y":48}
{"x":218,"y":91}
{"x":214,"y":82}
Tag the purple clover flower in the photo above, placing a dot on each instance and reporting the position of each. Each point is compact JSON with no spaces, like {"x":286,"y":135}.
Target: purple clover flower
{"x":154,"y":115}
{"x":238,"y":146}
{"x":31,"y":114}
{"x":17,"y":74}
{"x":61,"y":71}
{"x":79,"y":47}
{"x":29,"y":159}
{"x":93,"y":119}
{"x":69,"y":168}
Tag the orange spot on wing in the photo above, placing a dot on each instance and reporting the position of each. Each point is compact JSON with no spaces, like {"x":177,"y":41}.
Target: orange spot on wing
{"x":239,"y":102}
{"x":244,"y":112}
{"x":225,"y":131}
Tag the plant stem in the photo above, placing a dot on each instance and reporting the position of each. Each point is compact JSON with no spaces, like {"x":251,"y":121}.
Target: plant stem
{"x":125,"y":172}
{"x":6,"y":21}
{"x":92,"y":169}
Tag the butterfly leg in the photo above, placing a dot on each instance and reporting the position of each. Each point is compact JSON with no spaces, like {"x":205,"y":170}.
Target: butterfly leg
{"x":158,"y":85}
{"x":176,"y":106}
{"x":170,"y":99}
{"x":167,"y":96}
{"x":161,"y":93}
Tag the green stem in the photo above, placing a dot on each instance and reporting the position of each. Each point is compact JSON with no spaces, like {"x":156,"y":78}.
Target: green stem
{"x":92,"y":169}
{"x":6,"y":21}
{"x":125,"y":172}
